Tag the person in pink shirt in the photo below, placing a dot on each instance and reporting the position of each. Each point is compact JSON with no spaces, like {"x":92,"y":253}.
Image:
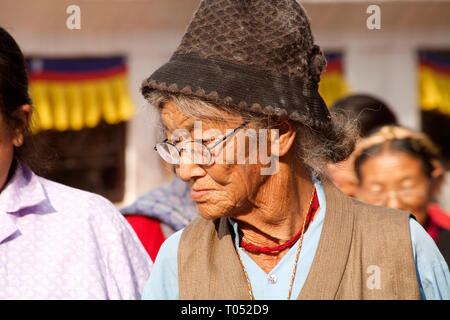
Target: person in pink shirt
{"x":56,"y":242}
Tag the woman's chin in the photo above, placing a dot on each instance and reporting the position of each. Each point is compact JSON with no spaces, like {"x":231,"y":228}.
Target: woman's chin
{"x":210,"y":212}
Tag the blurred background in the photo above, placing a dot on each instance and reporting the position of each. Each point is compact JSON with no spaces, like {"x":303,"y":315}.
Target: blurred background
{"x":85,"y":82}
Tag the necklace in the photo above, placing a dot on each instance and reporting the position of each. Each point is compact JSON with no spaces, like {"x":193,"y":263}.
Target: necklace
{"x":313,"y":206}
{"x":256,"y":249}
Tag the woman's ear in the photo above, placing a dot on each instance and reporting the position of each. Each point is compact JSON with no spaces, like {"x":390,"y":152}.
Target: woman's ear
{"x":23,"y":118}
{"x":284,"y":140}
{"x":437,"y":178}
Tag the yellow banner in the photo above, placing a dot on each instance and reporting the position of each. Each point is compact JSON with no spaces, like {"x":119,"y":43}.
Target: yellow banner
{"x":74,"y":105}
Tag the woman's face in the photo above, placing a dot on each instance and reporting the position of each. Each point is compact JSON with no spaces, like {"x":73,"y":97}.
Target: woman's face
{"x":396,"y":180}
{"x":219,"y":188}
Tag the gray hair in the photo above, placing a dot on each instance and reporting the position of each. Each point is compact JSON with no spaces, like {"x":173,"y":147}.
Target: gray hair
{"x":313,"y":148}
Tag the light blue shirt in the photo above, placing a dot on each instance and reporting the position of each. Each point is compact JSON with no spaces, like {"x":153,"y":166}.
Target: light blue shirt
{"x":431,"y":268}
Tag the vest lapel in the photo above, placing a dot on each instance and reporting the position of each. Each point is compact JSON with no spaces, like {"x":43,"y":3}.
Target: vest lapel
{"x":208,"y":267}
{"x":232,"y":277}
{"x":332,"y":253}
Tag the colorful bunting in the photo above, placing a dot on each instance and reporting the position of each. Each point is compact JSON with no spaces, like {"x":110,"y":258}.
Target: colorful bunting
{"x":333,"y":85}
{"x":71,"y":94}
{"x":434,"y":81}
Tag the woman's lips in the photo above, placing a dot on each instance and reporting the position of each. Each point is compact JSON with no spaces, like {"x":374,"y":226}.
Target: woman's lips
{"x":197,"y":194}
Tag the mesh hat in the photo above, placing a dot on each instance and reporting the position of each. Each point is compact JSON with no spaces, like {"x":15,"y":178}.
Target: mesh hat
{"x":257,"y":55}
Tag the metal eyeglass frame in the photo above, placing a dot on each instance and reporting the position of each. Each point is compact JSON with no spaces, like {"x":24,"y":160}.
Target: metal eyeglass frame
{"x":166,"y":142}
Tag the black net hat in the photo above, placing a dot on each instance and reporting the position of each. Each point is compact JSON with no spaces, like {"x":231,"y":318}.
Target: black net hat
{"x":257,"y":55}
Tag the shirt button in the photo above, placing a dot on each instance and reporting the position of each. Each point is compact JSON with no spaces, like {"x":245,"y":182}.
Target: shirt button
{"x":273,"y":279}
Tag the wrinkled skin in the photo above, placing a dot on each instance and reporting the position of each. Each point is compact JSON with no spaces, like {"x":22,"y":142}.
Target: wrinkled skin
{"x":269,"y":209}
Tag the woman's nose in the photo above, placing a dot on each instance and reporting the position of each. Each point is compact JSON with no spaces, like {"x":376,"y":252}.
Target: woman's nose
{"x":187,"y":169}
{"x":392,"y":200}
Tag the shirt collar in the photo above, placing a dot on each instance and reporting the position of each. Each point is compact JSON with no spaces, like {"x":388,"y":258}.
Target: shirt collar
{"x":321,"y":197}
{"x":22,"y":195}
{"x":23,"y":191}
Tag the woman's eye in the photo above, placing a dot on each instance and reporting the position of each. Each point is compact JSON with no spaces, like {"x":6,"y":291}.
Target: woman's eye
{"x":408,"y":183}
{"x":376,"y":188}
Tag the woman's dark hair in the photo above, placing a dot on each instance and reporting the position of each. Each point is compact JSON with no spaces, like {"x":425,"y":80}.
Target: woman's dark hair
{"x":371,"y":112}
{"x":14,"y":94}
{"x":13,"y":84}
{"x":407,"y":145}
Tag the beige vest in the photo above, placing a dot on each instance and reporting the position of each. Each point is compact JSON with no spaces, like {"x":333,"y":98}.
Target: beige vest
{"x":364,"y":252}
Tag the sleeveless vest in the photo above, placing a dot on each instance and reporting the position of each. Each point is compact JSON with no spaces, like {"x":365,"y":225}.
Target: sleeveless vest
{"x":364,"y":252}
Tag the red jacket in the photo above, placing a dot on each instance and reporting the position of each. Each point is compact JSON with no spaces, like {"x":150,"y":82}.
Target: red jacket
{"x":149,"y":233}
{"x":438,"y":228}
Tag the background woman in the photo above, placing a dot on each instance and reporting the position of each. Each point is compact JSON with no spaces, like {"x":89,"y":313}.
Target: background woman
{"x":371,"y":113}
{"x":401,"y":168}
{"x":159,"y":213}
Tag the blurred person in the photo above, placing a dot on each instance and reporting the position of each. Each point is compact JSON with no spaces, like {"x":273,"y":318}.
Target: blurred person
{"x":56,"y":242}
{"x":370,"y":111}
{"x":371,"y":114}
{"x":160,"y":212}
{"x":258,"y":233}
{"x":400,"y":168}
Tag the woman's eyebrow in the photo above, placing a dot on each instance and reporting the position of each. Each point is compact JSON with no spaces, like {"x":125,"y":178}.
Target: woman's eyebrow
{"x":168,"y":131}
{"x":186,"y":124}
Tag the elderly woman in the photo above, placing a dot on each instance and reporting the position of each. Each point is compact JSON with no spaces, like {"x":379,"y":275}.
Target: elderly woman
{"x":248,"y":130}
{"x":401,"y":169}
{"x":56,"y":242}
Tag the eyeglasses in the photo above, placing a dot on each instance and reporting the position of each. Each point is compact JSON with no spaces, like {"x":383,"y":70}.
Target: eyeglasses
{"x":404,"y":195}
{"x":196,"y":150}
